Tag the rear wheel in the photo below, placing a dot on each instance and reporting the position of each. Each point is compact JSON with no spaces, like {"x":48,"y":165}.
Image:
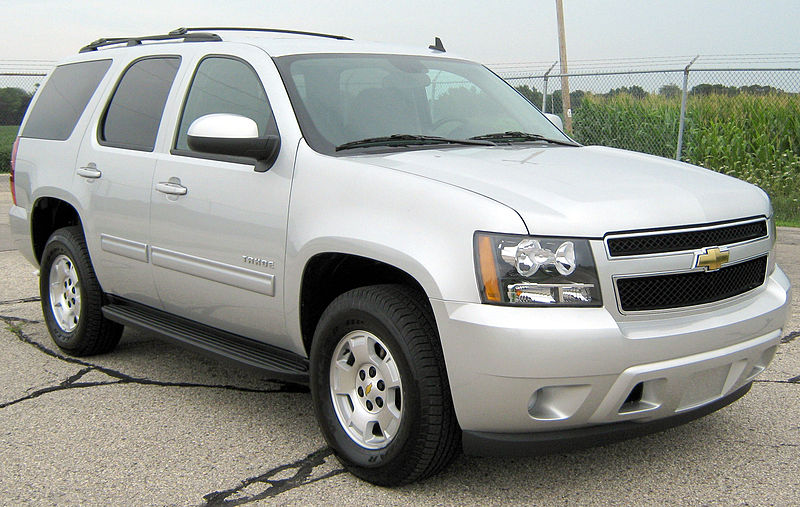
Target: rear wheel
{"x":380,"y":386}
{"x":72,"y":298}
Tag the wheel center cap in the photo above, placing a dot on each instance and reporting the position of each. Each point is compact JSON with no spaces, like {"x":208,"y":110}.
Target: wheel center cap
{"x":370,"y":387}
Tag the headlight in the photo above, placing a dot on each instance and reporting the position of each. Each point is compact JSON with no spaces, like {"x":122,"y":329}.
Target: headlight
{"x":536,"y":271}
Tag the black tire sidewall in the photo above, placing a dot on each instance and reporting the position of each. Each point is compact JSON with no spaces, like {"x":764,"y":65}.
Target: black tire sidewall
{"x":62,"y":243}
{"x":332,"y":328}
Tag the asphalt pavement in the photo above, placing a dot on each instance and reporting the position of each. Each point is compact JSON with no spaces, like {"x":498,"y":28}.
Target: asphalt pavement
{"x":155,"y":424}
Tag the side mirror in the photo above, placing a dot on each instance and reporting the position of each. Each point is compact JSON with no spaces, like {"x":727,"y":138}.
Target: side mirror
{"x":555,"y":120}
{"x":233,"y":135}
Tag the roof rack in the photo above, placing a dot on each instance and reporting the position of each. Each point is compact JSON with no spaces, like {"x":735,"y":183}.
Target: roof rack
{"x":135,"y":41}
{"x":183,"y":31}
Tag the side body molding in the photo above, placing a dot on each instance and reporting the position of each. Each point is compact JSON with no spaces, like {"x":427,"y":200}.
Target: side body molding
{"x":262,"y":283}
{"x":124,"y":247}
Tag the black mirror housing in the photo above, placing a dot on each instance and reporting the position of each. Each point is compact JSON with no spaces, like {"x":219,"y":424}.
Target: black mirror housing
{"x":264,"y":149}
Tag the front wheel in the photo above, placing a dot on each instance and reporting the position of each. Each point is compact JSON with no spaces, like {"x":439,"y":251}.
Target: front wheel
{"x":380,"y":387}
{"x":72,"y":298}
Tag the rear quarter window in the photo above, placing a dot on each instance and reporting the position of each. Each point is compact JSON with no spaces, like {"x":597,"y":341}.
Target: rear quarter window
{"x":63,"y":98}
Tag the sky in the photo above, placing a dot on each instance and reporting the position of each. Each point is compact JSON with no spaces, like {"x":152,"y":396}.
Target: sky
{"x":502,"y":32}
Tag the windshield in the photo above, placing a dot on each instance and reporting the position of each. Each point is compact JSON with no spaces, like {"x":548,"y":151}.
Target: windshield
{"x":341,"y":99}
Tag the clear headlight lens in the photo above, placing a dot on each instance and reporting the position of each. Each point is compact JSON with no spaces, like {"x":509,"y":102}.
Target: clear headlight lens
{"x":537,"y":271}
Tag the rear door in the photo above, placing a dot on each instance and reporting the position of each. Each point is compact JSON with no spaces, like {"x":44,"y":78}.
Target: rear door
{"x":114,"y":173}
{"x":217,"y":249}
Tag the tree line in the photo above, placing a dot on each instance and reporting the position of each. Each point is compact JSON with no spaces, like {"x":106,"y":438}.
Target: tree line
{"x":669,"y":91}
{"x":13,"y":104}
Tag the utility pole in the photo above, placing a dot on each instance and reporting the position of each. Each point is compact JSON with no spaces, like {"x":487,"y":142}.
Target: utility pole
{"x":562,"y":55}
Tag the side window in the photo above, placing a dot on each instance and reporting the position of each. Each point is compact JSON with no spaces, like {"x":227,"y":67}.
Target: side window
{"x":134,"y":113}
{"x":62,"y":100}
{"x":225,"y":85}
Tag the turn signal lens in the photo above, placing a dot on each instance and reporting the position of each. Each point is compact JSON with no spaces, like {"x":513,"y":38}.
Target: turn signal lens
{"x":491,"y":287}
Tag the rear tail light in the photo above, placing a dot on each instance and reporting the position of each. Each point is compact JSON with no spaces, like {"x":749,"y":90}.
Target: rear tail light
{"x":11,"y":175}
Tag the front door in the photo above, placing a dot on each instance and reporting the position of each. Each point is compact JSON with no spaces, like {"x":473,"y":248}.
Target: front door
{"x":218,"y":227}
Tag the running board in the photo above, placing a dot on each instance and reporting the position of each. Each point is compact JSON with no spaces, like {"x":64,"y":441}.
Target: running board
{"x":281,"y":364}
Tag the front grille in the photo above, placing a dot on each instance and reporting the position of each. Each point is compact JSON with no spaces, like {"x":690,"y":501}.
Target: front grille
{"x":686,"y":240}
{"x":660,"y":292}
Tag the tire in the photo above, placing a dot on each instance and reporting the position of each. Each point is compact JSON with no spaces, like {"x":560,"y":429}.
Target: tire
{"x":379,"y":348}
{"x":72,"y":298}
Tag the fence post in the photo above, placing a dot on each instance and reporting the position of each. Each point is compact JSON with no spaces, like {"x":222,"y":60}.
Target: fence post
{"x":544,"y":95}
{"x":682,"y":122}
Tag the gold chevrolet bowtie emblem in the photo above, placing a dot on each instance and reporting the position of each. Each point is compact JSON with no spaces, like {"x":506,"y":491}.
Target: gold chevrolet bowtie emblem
{"x":368,"y":389}
{"x":712,"y":259}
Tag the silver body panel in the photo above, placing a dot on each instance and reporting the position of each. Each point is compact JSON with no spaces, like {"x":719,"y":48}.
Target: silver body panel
{"x":510,"y":369}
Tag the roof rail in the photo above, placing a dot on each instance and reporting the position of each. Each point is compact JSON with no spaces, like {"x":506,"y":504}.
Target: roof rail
{"x":135,"y":41}
{"x":183,"y":31}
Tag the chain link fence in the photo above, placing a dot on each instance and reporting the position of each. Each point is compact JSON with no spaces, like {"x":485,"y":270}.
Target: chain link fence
{"x":17,"y":86}
{"x":16,"y":91}
{"x":744,"y":122}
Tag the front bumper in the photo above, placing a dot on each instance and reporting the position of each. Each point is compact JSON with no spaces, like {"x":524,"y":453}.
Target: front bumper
{"x":478,"y":443}
{"x":542,"y":370}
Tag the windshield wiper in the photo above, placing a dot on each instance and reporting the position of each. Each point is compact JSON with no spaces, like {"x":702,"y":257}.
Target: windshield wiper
{"x":516,"y":136}
{"x":406,"y":139}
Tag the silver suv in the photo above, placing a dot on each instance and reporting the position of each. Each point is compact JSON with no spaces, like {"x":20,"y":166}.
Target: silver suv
{"x":401,"y":230}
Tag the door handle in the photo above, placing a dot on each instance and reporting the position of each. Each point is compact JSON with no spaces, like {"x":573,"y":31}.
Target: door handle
{"x":90,"y":171}
{"x":170,"y":188}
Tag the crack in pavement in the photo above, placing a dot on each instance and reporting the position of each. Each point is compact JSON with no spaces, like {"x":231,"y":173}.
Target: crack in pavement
{"x":793,"y":380}
{"x":18,"y":319}
{"x":303,"y":468}
{"x":14,"y":324}
{"x":791,"y":336}
{"x":34,"y":299}
{"x":70,"y":383}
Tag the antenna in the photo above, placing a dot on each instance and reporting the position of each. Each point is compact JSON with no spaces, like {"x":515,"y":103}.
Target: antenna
{"x":437,"y":45}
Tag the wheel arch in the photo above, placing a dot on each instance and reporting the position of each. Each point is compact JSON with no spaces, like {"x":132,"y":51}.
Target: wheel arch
{"x":327,"y":275}
{"x":49,"y":214}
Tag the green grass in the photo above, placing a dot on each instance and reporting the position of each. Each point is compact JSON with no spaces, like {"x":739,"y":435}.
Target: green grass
{"x":752,"y":137}
{"x":7,"y":135}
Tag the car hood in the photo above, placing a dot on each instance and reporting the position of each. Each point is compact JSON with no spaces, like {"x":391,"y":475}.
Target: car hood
{"x":585,"y":191}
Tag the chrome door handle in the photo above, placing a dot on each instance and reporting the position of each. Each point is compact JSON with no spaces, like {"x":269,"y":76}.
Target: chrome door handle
{"x":166,"y":187}
{"x":90,"y":171}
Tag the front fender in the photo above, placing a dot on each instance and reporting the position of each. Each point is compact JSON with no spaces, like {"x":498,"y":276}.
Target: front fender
{"x":421,"y":226}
